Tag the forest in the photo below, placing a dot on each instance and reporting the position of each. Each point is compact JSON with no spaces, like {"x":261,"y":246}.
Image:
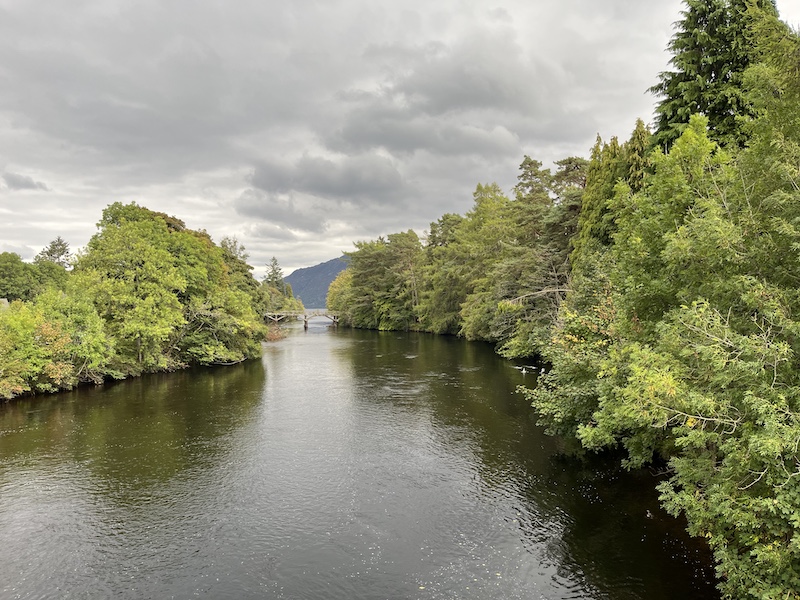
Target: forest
{"x":658,"y":285}
{"x":147,"y":294}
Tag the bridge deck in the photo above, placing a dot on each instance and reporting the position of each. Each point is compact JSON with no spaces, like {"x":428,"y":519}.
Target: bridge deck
{"x":277,"y":317}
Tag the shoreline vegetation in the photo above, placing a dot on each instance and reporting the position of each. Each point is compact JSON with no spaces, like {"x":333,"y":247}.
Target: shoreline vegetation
{"x":657,"y":283}
{"x":146,"y":295}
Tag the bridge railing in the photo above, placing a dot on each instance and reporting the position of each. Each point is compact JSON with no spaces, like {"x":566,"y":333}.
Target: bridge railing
{"x":278,"y":316}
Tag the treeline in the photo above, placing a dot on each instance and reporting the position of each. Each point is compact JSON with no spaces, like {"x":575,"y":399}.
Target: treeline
{"x":147,"y":294}
{"x":660,"y":283}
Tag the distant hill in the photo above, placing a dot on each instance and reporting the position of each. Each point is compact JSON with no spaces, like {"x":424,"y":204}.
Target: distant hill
{"x":310,"y":284}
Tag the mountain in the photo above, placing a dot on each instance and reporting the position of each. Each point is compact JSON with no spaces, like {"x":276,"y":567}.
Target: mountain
{"x":310,"y":284}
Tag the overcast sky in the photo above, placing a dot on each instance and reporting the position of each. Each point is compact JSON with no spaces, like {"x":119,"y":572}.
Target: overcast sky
{"x":302,"y":126}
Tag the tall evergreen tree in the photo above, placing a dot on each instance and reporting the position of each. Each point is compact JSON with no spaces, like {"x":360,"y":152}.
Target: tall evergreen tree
{"x":637,"y":154}
{"x":274,"y":276}
{"x":606,"y":167}
{"x":56,"y":251}
{"x":710,"y":52}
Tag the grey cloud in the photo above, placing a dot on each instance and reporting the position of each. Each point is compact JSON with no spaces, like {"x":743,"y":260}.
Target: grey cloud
{"x":267,"y":233}
{"x":399,"y":131}
{"x":501,"y":14}
{"x":281,"y":210}
{"x":274,"y":177}
{"x":395,"y":58}
{"x":16,"y":181}
{"x":161,"y":88}
{"x":28,"y":236}
{"x":356,"y":179}
{"x":357,"y":118}
{"x":476,"y":95}
{"x":23,"y":251}
{"x":485,"y":70}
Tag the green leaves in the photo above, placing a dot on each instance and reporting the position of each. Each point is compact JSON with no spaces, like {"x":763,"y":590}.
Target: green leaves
{"x":678,"y":341}
{"x":91,"y":349}
{"x":147,"y":294}
{"x":35,"y":352}
{"x":56,"y":252}
{"x":496,"y":274}
{"x":711,"y":50}
{"x":380,"y":287}
{"x":134,"y":281}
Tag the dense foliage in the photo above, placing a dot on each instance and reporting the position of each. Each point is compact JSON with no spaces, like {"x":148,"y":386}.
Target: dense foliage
{"x":711,"y":51}
{"x":147,"y":294}
{"x":658,"y":282}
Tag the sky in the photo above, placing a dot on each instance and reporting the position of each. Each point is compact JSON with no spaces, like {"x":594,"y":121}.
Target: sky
{"x":301,"y":127}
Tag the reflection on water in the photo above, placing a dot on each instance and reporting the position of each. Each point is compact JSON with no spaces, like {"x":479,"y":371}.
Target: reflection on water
{"x":345,"y":464}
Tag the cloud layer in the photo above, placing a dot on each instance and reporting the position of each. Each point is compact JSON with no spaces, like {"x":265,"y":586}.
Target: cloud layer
{"x":300,"y":127}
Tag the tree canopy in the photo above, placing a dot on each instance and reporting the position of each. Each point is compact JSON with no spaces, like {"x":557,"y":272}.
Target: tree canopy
{"x":146,"y":294}
{"x":711,"y":50}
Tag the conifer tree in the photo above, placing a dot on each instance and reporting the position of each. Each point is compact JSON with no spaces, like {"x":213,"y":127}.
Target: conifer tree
{"x":274,"y":276}
{"x":57,"y":252}
{"x":606,"y":167}
{"x":710,"y":52}
{"x":637,"y":154}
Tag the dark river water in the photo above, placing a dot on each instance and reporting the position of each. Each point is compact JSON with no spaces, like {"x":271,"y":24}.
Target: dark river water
{"x":343,"y":465}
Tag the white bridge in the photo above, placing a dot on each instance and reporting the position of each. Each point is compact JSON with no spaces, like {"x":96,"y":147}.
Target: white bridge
{"x":306,"y":316}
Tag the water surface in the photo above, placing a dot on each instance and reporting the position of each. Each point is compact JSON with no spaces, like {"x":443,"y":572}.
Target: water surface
{"x":343,"y":465}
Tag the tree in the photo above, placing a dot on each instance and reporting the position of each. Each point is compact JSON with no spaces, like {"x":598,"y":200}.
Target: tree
{"x":606,"y":167}
{"x":441,"y":289}
{"x":710,"y":53}
{"x":455,"y":295}
{"x":381,"y":288}
{"x":637,"y":152}
{"x":340,"y":297}
{"x":18,"y":279}
{"x":568,"y":394}
{"x":274,"y":276}
{"x":52,"y":263}
{"x":222,"y":323}
{"x":135,"y":285}
{"x":56,"y":252}
{"x":23,"y":281}
{"x":678,"y":343}
{"x":240,"y":276}
{"x":277,"y":292}
{"x":168,"y":295}
{"x":147,"y":294}
{"x":531,"y":280}
{"x":34,"y":350}
{"x":90,"y":350}
{"x":400,"y":307}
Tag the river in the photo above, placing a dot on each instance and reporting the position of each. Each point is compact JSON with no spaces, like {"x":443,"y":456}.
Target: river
{"x":343,"y":465}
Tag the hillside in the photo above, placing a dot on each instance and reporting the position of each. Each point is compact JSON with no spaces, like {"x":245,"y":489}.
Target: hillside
{"x":310,"y":284}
